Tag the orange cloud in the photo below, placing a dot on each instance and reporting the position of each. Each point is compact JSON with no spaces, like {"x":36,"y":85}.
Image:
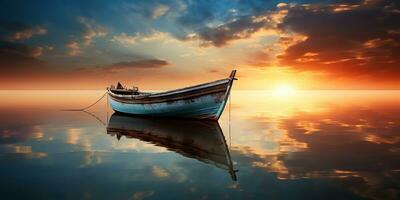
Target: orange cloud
{"x":342,"y":41}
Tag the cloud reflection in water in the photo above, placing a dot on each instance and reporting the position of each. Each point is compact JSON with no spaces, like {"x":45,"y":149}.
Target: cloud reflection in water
{"x":315,"y":144}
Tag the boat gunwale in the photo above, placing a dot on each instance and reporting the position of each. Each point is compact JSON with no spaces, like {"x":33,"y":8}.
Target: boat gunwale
{"x":175,"y":91}
{"x":182,"y":97}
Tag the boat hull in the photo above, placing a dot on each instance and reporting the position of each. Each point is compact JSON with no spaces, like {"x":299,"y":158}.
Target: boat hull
{"x":202,"y":107}
{"x":204,"y":101}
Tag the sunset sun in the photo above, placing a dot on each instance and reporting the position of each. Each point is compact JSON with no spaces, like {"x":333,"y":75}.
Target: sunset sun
{"x":284,"y":90}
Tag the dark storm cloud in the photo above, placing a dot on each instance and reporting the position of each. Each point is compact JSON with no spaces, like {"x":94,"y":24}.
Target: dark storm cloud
{"x":347,"y":40}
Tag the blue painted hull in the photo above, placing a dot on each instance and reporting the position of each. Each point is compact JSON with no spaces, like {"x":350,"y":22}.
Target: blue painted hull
{"x":204,"y":107}
{"x":204,"y":101}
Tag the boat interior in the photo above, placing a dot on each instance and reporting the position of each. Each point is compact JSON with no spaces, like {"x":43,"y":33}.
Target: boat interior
{"x":120,"y":89}
{"x":123,"y":90}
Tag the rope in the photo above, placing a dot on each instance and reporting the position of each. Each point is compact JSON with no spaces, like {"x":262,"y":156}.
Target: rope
{"x":82,"y":109}
{"x":230,"y":139}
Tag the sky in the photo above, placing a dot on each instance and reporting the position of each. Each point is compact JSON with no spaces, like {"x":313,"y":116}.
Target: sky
{"x":165,"y":44}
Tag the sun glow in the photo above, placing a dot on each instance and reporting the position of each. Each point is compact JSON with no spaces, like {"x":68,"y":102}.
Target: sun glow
{"x":284,"y":90}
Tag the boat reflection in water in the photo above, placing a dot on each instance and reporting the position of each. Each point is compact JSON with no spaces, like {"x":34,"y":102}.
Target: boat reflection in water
{"x":201,"y":140}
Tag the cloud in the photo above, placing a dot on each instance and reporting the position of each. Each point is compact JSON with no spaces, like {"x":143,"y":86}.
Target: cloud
{"x":219,"y":23}
{"x":159,"y":172}
{"x":136,"y":64}
{"x":18,"y":31}
{"x":16,"y":57}
{"x":25,"y":151}
{"x":155,"y":36}
{"x":159,"y":11}
{"x":329,"y":36}
{"x":37,"y":52}
{"x":18,"y":126}
{"x":141,"y":195}
{"x":154,"y":10}
{"x":344,"y":39}
{"x":125,"y":39}
{"x":259,"y":59}
{"x":368,"y":141}
{"x":342,"y":142}
{"x":91,"y":30}
{"x":73,"y":48}
{"x":10,"y":133}
{"x":234,"y":30}
{"x":28,"y":33}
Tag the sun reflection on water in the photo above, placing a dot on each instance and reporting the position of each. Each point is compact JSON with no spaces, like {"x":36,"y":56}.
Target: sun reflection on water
{"x":292,"y":134}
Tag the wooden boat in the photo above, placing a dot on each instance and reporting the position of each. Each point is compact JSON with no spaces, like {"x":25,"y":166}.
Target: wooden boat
{"x":201,"y":140}
{"x":204,"y":101}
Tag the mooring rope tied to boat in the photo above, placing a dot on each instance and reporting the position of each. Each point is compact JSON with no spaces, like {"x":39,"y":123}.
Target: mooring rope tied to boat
{"x":87,"y":107}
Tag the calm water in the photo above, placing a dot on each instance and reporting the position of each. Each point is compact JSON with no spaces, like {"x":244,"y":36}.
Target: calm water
{"x":309,"y":145}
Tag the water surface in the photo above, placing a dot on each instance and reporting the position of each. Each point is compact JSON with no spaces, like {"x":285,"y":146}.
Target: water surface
{"x":311,"y":144}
